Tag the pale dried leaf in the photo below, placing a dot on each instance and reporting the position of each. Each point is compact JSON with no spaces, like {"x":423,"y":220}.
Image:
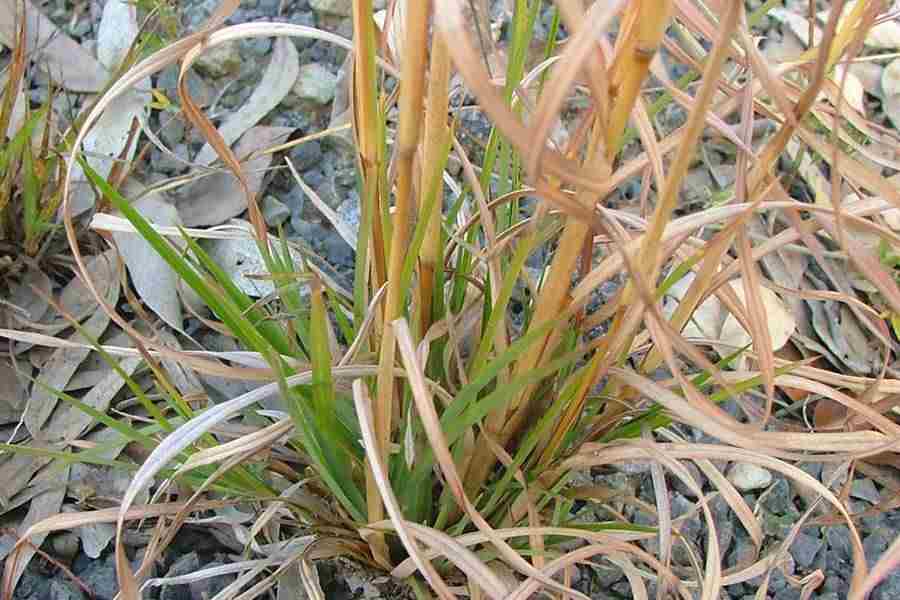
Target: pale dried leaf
{"x":797,"y":24}
{"x":276,"y":83}
{"x":117,"y":31}
{"x":154,"y":280}
{"x":854,"y":94}
{"x":890,"y":86}
{"x":77,"y":300}
{"x":216,"y":198}
{"x":780,"y":321}
{"x":884,"y":35}
{"x":56,"y":373}
{"x":55,"y":53}
{"x":95,"y":537}
{"x":106,"y":142}
{"x":241,"y":259}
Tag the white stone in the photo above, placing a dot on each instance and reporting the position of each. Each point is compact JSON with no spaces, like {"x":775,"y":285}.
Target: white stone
{"x":747,"y":477}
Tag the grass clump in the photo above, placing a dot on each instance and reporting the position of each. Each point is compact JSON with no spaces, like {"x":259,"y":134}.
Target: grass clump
{"x":424,"y":430}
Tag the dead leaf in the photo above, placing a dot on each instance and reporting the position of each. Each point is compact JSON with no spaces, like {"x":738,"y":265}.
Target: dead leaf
{"x":17,"y":118}
{"x":241,"y":260}
{"x":713,"y":321}
{"x":106,"y":142}
{"x":117,"y":32}
{"x":839,"y":331}
{"x":55,"y":53}
{"x":217,"y":198}
{"x":276,"y":83}
{"x":12,"y":394}
{"x":60,"y":368}
{"x":890,"y":87}
{"x":853,"y":89}
{"x":95,"y":537}
{"x":30,"y":306}
{"x":42,"y":506}
{"x":77,"y":300}
{"x":69,"y":422}
{"x":153,"y":279}
{"x":780,"y":320}
{"x":797,"y":24}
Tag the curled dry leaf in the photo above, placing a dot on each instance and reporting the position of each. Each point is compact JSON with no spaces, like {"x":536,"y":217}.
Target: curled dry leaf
{"x":155,"y":282}
{"x":854,"y":93}
{"x":276,"y":83}
{"x":713,"y":321}
{"x":56,"y":54}
{"x":890,"y":87}
{"x":217,"y":198}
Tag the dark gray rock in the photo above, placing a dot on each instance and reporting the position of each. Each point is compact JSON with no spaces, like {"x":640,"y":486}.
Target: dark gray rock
{"x":306,"y":156}
{"x":63,"y":589}
{"x":98,"y":575}
{"x":865,"y":489}
{"x":874,"y":546}
{"x":779,"y":499}
{"x":208,"y":588}
{"x":805,"y":548}
{"x":838,"y":539}
{"x":889,"y":589}
{"x":183,"y":566}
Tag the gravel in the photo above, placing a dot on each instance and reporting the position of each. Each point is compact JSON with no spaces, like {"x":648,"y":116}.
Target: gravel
{"x":328,"y":167}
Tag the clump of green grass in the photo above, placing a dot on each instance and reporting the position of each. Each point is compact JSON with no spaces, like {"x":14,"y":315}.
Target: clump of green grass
{"x":422,"y":436}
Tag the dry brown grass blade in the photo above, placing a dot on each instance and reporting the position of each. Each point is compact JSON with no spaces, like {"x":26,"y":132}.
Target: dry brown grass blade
{"x":466,"y":59}
{"x":578,"y":49}
{"x":759,"y":330}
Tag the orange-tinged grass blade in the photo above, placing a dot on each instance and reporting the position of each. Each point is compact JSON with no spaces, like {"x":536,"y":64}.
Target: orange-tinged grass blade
{"x":411,"y":94}
{"x":640,"y":38}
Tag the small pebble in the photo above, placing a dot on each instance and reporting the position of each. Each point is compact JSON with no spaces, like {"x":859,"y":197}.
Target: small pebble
{"x":315,"y":83}
{"x":864,"y":489}
{"x":747,"y":477}
{"x":275,"y":212}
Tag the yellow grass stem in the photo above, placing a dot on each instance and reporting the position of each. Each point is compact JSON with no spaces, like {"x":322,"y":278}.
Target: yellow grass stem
{"x":436,"y":138}
{"x":369,"y":131}
{"x":410,"y":104}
